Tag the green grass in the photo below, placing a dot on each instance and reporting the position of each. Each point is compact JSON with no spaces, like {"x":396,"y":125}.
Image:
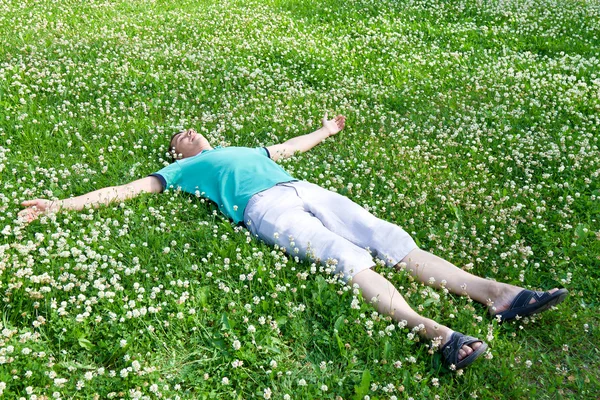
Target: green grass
{"x":461,"y":116}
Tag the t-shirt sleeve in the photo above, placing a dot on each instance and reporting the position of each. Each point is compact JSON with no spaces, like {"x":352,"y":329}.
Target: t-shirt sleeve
{"x":169,"y":176}
{"x":263,"y":151}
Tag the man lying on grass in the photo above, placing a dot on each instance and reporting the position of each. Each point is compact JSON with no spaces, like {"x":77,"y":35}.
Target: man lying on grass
{"x":311,"y":222}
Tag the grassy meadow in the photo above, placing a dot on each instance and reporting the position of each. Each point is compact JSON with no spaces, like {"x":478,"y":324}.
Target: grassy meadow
{"x":472,"y":124}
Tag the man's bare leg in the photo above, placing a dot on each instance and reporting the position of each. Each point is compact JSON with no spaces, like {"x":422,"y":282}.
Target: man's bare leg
{"x":437,"y":272}
{"x":389,"y":301}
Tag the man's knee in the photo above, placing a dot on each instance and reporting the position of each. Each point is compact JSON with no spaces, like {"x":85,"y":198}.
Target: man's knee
{"x":360,"y":276}
{"x":412,"y":255}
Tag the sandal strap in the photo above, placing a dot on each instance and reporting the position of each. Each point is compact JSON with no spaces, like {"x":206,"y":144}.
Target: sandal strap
{"x":456,"y":342}
{"x":525,"y":296}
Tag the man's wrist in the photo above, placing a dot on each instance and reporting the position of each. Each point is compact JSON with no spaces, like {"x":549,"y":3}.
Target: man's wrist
{"x":325,"y":133}
{"x":56,"y":206}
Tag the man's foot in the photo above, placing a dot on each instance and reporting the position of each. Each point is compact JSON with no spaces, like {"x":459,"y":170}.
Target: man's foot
{"x":460,"y":350}
{"x":523,"y":302}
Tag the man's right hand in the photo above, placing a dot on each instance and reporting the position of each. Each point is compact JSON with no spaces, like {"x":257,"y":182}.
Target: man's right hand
{"x":37,"y":207}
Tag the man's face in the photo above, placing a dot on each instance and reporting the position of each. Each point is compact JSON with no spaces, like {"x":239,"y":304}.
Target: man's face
{"x":188,"y":143}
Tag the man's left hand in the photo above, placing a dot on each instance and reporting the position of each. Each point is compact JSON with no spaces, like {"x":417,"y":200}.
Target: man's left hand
{"x":333,"y":126}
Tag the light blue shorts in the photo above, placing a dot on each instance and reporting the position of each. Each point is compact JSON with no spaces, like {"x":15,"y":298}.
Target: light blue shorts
{"x":316,"y":224}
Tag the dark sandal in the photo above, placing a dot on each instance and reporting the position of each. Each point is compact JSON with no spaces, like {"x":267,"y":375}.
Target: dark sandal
{"x":520,"y":305}
{"x":456,"y":342}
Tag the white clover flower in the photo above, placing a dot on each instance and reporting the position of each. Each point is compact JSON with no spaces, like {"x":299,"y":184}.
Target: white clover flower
{"x":60,"y":382}
{"x":136,"y":366}
{"x":267,"y":393}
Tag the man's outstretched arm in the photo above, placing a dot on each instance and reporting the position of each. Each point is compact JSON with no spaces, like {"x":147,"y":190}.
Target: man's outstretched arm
{"x":303,"y":143}
{"x":107,"y":195}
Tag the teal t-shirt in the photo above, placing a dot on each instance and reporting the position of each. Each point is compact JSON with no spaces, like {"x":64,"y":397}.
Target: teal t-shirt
{"x":229,"y":176}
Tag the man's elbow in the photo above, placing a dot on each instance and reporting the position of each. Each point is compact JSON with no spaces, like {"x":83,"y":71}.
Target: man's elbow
{"x":290,"y":151}
{"x":127,"y":191}
{"x":149,"y":184}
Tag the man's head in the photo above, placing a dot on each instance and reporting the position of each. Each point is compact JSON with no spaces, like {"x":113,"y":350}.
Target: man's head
{"x":187,"y":143}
